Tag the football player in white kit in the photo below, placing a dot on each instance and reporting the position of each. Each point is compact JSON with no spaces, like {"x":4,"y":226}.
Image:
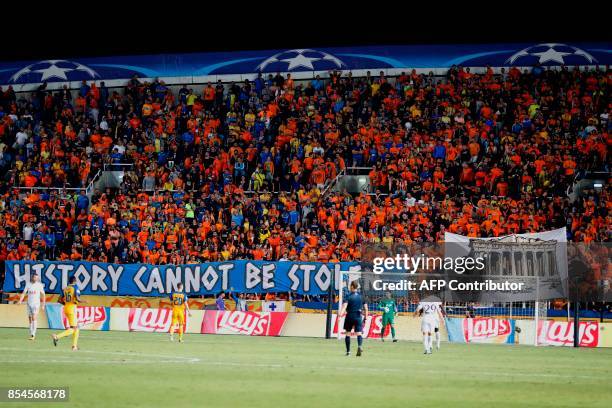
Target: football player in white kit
{"x":437,"y":326}
{"x":430,"y":312}
{"x":35,"y":291}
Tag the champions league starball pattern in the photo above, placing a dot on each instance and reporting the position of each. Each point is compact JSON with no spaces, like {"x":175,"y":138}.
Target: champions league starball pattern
{"x":404,"y":57}
{"x":552,"y":53}
{"x":301,"y":58}
{"x":53,"y":70}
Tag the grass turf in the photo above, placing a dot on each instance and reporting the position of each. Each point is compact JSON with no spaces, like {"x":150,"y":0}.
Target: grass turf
{"x":146,"y":370}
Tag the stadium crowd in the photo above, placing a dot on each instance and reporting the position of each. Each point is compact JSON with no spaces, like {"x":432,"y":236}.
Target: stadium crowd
{"x":239,"y":171}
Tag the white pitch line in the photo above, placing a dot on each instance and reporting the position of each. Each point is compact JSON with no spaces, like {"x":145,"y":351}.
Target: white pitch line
{"x":180,"y":360}
{"x":117,"y":362}
{"x":156,"y":358}
{"x":116,"y":353}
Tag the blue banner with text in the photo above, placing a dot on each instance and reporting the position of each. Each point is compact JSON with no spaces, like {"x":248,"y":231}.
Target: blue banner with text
{"x":199,"y":279}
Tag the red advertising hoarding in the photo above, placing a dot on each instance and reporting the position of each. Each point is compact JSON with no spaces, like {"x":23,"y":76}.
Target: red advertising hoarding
{"x":245,"y":323}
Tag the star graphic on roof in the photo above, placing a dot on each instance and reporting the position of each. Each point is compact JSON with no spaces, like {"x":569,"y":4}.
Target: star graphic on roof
{"x":521,"y":53}
{"x":300,"y":60}
{"x":584,"y":54}
{"x":53,"y":71}
{"x":81,"y":67}
{"x":551,"y":55}
{"x":553,"y":52}
{"x":304,"y":58}
{"x":19,"y":73}
{"x":335,"y":60}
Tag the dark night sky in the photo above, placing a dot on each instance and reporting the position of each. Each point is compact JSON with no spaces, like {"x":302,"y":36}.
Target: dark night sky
{"x":117,"y":35}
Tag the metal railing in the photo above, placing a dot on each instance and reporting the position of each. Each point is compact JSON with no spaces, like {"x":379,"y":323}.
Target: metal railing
{"x":347,"y":171}
{"x":88,"y":190}
{"x":333,"y":182}
{"x":90,"y":187}
{"x":118,"y":166}
{"x":358,"y":171}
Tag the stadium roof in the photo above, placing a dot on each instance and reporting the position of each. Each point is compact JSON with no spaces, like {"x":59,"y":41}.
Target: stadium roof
{"x":323,"y":28}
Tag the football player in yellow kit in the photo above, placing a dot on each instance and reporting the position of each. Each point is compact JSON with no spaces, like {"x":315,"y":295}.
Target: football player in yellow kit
{"x":179,"y":304}
{"x":70,"y":299}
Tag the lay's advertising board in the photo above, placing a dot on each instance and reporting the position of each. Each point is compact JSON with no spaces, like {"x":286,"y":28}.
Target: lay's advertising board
{"x":88,"y":317}
{"x":480,"y":330}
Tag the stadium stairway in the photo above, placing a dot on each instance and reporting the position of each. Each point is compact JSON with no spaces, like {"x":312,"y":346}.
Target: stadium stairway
{"x":112,"y":176}
{"x":354,"y":180}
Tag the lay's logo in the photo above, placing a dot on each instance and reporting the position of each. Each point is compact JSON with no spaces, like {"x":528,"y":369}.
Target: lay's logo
{"x":555,"y":333}
{"x":249,"y":323}
{"x":371,"y":327}
{"x":91,"y":317}
{"x":486,"y":329}
{"x":244,"y":323}
{"x":150,"y":320}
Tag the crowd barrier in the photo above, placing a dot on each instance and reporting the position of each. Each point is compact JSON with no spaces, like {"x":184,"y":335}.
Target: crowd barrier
{"x":252,"y":323}
{"x":164,"y":302}
{"x":266,"y":323}
{"x":481,"y":330}
{"x":528,"y":332}
{"x":251,"y":305}
{"x":561,"y":333}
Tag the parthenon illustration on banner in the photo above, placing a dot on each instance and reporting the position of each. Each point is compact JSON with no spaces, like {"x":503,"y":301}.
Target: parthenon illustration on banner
{"x":514,"y":255}
{"x":539,"y":260}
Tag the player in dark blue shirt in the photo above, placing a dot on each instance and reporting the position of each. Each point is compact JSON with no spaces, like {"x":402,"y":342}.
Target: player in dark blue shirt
{"x":352,"y":307}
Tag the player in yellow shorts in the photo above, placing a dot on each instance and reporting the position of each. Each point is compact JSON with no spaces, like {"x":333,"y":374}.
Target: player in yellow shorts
{"x":70,"y":299}
{"x":179,"y":304}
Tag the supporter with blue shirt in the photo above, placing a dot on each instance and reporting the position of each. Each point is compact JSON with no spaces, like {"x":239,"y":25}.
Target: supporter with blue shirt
{"x":82,"y":201}
{"x":316,"y":83}
{"x":188,"y":137}
{"x":264,"y":155}
{"x":259,"y":84}
{"x":116,"y":156}
{"x":49,"y":239}
{"x":300,"y":241}
{"x":237,"y":218}
{"x":339,"y":105}
{"x":439,"y":151}
{"x":294,"y":216}
{"x":84,"y":89}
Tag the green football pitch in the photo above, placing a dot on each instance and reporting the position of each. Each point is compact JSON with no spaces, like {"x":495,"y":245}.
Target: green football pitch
{"x":117,"y":369}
